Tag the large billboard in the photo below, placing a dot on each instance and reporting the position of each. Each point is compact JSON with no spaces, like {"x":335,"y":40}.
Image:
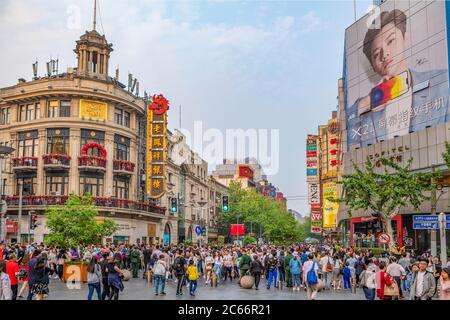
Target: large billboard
{"x":396,"y":71}
{"x":330,"y":208}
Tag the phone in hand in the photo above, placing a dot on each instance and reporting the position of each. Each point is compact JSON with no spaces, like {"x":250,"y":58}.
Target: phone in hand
{"x":389,"y":90}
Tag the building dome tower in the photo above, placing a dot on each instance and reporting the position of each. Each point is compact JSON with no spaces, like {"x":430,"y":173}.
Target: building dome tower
{"x":93,"y":53}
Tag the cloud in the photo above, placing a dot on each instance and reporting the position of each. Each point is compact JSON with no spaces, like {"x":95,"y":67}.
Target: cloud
{"x":311,"y":22}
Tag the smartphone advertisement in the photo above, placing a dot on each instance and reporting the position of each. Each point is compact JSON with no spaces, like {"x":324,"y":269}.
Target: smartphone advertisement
{"x":396,"y":71}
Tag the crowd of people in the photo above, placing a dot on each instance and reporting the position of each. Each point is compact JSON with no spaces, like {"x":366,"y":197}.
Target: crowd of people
{"x":298,"y":267}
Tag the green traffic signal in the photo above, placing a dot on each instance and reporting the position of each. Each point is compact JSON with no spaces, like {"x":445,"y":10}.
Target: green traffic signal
{"x":225,"y":207}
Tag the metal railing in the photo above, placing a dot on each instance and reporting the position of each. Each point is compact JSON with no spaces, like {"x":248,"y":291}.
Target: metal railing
{"x":109,"y":202}
{"x":24,"y":162}
{"x":56,"y":159}
{"x":91,"y":161}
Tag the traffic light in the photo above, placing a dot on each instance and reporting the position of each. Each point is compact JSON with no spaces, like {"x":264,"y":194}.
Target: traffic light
{"x":225,"y":207}
{"x":173,"y":205}
{"x":33,"y":222}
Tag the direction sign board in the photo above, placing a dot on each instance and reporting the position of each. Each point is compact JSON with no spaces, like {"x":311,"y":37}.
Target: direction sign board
{"x":429,"y":222}
{"x":384,"y":238}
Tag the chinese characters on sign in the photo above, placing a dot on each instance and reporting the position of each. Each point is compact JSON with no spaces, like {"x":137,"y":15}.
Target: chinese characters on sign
{"x":316,"y":220}
{"x":312,"y":177}
{"x":93,"y":110}
{"x":156,"y":146}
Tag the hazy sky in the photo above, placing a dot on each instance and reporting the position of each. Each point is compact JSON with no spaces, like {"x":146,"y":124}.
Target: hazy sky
{"x":230,"y":64}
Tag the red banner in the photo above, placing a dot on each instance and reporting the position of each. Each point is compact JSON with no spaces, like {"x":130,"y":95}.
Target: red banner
{"x":11,"y":226}
{"x":245,"y":171}
{"x":237,"y":230}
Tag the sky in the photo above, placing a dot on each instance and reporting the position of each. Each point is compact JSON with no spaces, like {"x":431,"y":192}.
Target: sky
{"x":230,"y":64}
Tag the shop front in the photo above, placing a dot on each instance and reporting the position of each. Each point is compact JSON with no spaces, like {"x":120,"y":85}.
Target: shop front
{"x":364,"y":231}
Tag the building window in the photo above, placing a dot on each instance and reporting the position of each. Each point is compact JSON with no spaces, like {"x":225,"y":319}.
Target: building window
{"x":121,"y":148}
{"x":121,"y":187}
{"x":29,"y":184}
{"x":5,"y":115}
{"x":118,"y":116}
{"x":121,"y":117}
{"x":57,"y":184}
{"x":126,"y":119}
{"x":28,"y":144}
{"x":28,"y":112}
{"x":58,"y":141}
{"x":92,"y":184}
{"x":90,"y":136}
{"x":59,"y":108}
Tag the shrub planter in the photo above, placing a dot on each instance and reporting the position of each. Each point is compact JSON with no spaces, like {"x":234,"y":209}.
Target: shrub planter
{"x":75,"y":271}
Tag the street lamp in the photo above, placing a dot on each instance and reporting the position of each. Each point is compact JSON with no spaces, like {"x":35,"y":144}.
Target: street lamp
{"x":237,"y":223}
{"x":5,"y":151}
{"x":201,"y":204}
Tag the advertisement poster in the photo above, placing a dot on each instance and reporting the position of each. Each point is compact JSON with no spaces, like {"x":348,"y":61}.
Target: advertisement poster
{"x":330,"y":208}
{"x":396,"y":71}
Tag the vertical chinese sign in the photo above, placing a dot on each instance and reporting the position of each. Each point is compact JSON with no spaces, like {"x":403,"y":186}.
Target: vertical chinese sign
{"x":156,"y":146}
{"x":312,"y":178}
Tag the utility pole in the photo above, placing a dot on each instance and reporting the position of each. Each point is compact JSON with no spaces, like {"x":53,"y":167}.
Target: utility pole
{"x":19,"y":219}
{"x":433,"y":202}
{"x":442,"y":229}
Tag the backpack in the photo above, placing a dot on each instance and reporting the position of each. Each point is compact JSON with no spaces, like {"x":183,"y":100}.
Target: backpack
{"x":178,"y":265}
{"x":329,"y":267}
{"x":159,"y":270}
{"x":311,"y":277}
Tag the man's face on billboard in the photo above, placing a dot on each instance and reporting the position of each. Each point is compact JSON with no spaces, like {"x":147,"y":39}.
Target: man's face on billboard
{"x":387,"y":56}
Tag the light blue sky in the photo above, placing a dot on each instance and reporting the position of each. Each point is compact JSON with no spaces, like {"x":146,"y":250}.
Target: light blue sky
{"x":231,"y":64}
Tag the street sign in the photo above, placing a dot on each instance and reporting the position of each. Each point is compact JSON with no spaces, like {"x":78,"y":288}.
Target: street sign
{"x":198,"y":230}
{"x":384,"y":238}
{"x":429,"y":222}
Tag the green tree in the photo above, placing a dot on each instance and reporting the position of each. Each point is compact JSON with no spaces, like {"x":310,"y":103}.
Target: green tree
{"x":258,"y":212}
{"x":386,"y":192}
{"x":74,"y":223}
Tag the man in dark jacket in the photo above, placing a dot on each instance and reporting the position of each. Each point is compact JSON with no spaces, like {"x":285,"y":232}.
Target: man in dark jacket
{"x":179,"y":268}
{"x":272,"y":266}
{"x":32,"y":272}
{"x":104,"y":266}
{"x":147,"y":256}
{"x":256,"y":268}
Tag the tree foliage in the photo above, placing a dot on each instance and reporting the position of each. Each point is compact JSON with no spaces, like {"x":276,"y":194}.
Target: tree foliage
{"x":260,"y":213}
{"x":386,"y":192}
{"x":74,"y":223}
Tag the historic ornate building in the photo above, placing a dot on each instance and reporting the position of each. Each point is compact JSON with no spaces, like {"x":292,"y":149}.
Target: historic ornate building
{"x":76,"y":132}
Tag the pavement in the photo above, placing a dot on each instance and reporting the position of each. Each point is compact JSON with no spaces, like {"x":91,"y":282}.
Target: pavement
{"x":140,"y":289}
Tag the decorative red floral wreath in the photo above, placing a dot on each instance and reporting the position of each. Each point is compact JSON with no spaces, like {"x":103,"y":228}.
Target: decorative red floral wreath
{"x":159,"y":104}
{"x":88,"y":146}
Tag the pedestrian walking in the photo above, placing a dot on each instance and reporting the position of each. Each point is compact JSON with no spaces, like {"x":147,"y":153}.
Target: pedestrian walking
{"x":114,"y":276}
{"x":160,"y":275}
{"x":367,"y":280}
{"x":5,"y":283}
{"x":311,"y":277}
{"x":295,"y":271}
{"x":12,"y":269}
{"x":94,"y":278}
{"x":422,"y":283}
{"x":104,"y":268}
{"x":272,"y":267}
{"x":42,"y":271}
{"x":256,"y":269}
{"x":192,"y":272}
{"x":444,"y":284}
{"x":179,"y":267}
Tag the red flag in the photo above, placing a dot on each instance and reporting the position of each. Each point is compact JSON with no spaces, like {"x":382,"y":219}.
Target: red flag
{"x":237,"y":230}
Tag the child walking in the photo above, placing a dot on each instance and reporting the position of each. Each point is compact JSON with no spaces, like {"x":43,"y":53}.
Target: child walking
{"x":347,"y":276}
{"x":192,"y":277}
